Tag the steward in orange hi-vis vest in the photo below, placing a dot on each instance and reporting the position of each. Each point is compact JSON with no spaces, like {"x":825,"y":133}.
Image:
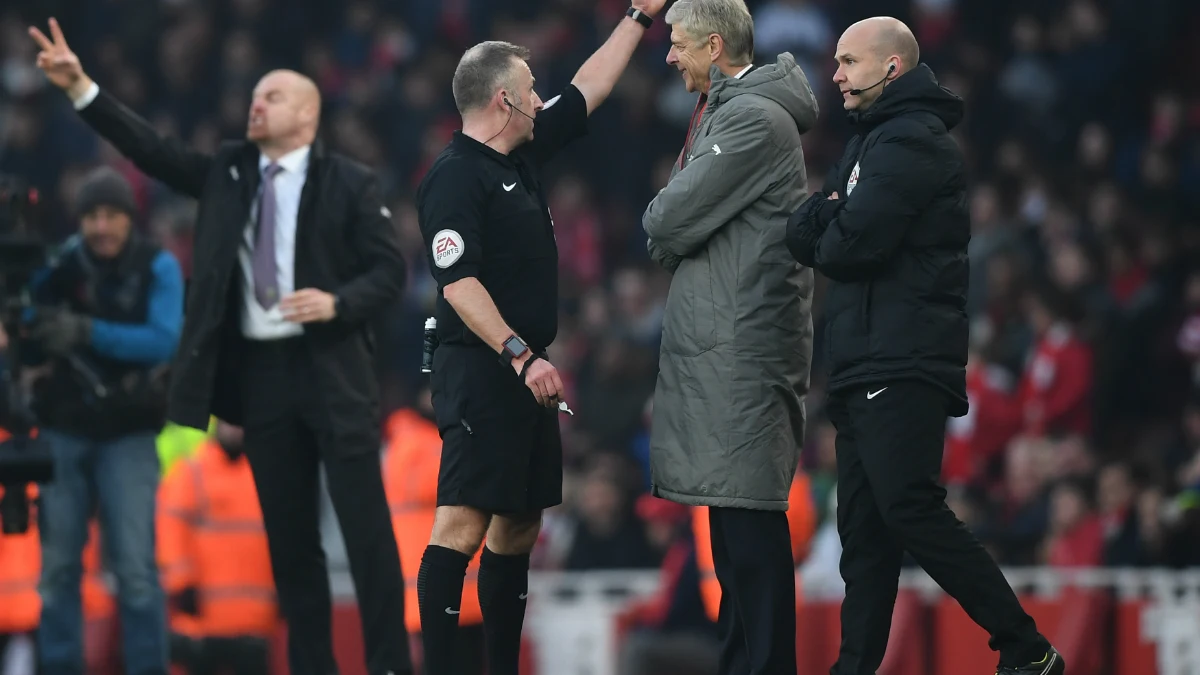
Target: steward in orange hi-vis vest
{"x":20,"y":567}
{"x":410,"y":473}
{"x":211,"y":540}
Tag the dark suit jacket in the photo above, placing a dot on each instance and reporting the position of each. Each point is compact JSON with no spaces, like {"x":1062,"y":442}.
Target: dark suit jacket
{"x":346,"y":244}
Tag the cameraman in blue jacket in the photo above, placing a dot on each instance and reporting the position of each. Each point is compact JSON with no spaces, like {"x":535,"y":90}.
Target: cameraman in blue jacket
{"x":108,"y":314}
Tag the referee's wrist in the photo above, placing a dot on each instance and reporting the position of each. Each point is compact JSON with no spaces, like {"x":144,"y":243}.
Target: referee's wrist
{"x":518,"y":364}
{"x":523,"y":373}
{"x":640,"y":15}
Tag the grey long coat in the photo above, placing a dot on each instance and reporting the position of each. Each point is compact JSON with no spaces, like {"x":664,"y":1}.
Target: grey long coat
{"x":728,"y":418}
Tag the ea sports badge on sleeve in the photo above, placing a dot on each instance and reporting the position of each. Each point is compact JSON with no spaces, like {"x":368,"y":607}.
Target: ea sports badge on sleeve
{"x":447,"y":248}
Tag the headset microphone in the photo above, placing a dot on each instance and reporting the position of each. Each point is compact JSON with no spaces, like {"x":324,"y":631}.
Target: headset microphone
{"x":513,"y":107}
{"x":856,"y":92}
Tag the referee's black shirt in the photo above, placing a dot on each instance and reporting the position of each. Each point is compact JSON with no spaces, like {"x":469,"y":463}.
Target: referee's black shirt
{"x":484,"y":215}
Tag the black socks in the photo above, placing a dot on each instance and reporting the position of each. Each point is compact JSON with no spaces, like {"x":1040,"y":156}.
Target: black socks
{"x":503,"y":587}
{"x":439,"y":592}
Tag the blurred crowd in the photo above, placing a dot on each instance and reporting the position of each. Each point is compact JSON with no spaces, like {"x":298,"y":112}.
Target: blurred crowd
{"x":1082,"y":446}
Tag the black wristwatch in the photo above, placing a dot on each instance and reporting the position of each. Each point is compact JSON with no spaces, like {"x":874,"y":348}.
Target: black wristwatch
{"x":639,"y":16}
{"x":513,"y":348}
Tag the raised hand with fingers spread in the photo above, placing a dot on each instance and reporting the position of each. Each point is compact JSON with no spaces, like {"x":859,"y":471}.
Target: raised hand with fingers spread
{"x":60,"y":64}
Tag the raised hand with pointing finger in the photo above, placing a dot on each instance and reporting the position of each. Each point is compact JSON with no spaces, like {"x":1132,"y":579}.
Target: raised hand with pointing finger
{"x":58,"y":62}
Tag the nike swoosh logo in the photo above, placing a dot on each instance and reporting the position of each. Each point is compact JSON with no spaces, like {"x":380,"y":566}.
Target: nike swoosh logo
{"x":873,"y":394}
{"x":508,"y":188}
{"x":451,"y":611}
{"x":523,"y":596}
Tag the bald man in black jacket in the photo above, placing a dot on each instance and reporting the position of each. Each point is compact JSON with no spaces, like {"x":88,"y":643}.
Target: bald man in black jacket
{"x":894,"y":245}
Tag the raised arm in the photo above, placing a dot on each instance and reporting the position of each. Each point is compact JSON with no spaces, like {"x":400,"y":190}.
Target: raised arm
{"x":564,"y":117}
{"x":599,"y":74}
{"x":166,"y":159}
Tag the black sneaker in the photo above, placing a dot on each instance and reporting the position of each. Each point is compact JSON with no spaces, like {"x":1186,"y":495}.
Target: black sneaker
{"x":1050,"y":664}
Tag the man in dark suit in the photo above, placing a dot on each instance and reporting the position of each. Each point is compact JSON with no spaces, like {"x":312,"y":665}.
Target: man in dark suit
{"x":294,"y":251}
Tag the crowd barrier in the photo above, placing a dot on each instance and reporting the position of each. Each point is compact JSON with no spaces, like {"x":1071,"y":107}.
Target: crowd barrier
{"x":1105,"y":621}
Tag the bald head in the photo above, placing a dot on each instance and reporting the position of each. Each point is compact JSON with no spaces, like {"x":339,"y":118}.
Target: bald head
{"x":302,"y":85}
{"x":887,"y":37}
{"x":285,"y":112}
{"x":866,"y":53}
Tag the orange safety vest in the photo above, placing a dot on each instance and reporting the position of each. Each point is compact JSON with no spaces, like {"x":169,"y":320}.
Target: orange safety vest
{"x":20,"y":567}
{"x":211,"y":538}
{"x":410,"y":474}
{"x":802,"y":523}
{"x":20,"y":571}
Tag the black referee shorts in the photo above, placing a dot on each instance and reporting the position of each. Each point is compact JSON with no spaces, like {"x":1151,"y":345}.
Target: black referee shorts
{"x":501,"y":451}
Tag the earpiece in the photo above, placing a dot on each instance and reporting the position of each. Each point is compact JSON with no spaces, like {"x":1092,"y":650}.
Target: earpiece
{"x":512,"y":108}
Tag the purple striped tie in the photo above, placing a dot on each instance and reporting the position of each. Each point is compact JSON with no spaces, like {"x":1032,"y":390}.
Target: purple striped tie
{"x":266,"y":273}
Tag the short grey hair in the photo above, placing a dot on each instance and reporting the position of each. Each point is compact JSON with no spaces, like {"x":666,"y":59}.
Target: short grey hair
{"x":482,"y":70}
{"x":728,"y":18}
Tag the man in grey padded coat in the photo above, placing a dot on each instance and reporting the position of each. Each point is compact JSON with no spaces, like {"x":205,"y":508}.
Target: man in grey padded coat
{"x":728,"y":418}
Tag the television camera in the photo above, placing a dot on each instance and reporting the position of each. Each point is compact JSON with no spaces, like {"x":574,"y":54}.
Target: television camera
{"x":23,"y":459}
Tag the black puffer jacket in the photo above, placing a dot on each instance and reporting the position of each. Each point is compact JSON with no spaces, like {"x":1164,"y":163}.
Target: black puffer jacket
{"x":894,"y":243}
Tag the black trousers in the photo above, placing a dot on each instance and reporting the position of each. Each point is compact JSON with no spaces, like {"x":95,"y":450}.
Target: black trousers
{"x":889,"y":458}
{"x":752,"y":556}
{"x":287,"y":438}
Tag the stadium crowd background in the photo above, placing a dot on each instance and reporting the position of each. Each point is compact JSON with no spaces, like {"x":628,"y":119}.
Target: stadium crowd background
{"x":1083,"y":445}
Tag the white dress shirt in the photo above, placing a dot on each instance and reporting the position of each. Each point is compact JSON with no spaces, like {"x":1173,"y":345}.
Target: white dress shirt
{"x":269,"y":324}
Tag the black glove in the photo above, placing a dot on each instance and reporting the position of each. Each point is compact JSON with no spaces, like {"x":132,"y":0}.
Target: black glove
{"x":185,"y":601}
{"x":59,"y":332}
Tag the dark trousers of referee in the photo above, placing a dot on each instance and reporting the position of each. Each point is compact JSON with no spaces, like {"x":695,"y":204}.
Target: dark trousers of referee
{"x":752,"y":558}
{"x":889,"y":458}
{"x":288,"y":437}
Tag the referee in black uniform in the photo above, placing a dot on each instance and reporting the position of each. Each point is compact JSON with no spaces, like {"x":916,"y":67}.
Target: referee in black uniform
{"x":491,"y":244}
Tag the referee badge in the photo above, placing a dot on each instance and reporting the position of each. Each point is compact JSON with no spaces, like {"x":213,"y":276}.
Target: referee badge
{"x":853,"y":180}
{"x":447,"y":248}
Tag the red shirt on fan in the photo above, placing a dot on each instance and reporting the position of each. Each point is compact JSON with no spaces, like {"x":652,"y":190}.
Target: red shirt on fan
{"x":1081,"y":546}
{"x":1057,"y":383}
{"x":993,"y":418}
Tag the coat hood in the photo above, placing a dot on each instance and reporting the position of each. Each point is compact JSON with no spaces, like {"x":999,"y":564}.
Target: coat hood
{"x":783,"y":82}
{"x":915,"y":91}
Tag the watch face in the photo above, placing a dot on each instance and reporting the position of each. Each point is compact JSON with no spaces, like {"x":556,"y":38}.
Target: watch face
{"x":515,"y":347}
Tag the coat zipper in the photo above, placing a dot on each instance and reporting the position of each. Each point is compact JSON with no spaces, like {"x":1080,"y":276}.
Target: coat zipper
{"x":866,"y":307}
